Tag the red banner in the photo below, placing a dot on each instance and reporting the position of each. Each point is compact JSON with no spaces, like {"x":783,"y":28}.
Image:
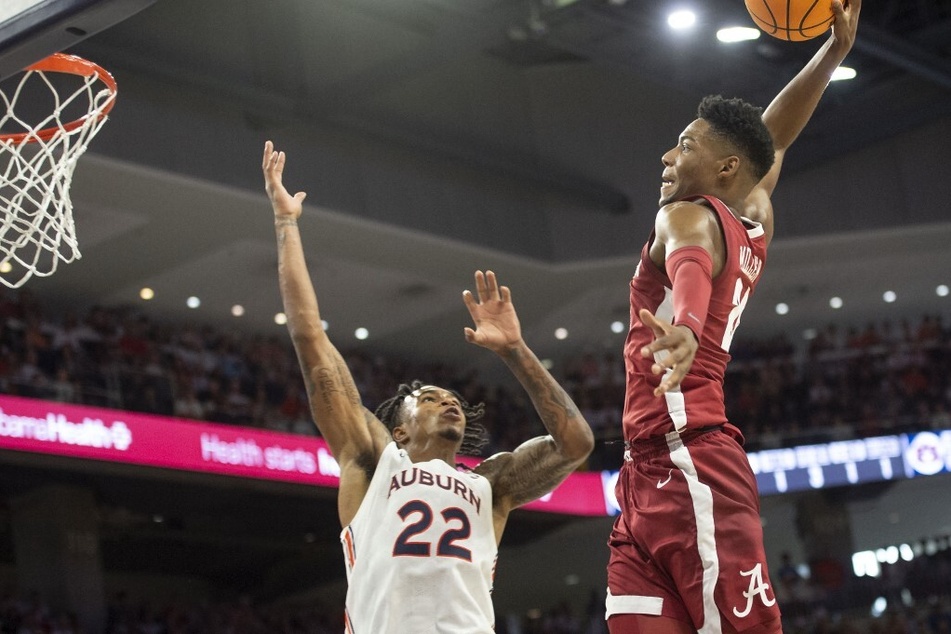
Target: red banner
{"x":80,"y":431}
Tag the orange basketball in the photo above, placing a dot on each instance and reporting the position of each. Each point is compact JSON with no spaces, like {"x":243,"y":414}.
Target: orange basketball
{"x":793,"y":20}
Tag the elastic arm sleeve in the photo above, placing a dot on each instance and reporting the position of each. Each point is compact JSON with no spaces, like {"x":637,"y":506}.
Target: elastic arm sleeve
{"x":691,"y":273}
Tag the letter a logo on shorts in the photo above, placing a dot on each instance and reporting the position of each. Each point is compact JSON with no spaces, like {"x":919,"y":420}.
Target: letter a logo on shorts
{"x":757,"y":586}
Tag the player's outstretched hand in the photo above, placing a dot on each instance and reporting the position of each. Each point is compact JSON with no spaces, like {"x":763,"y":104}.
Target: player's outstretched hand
{"x":680,"y":344}
{"x":496,"y":324}
{"x":285,"y":205}
{"x":846,"y":21}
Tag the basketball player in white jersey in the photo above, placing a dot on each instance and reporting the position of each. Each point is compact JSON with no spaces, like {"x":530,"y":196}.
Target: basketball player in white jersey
{"x":420,"y":536}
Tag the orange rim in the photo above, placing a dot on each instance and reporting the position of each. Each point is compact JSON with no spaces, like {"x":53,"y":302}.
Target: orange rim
{"x":72,"y":65}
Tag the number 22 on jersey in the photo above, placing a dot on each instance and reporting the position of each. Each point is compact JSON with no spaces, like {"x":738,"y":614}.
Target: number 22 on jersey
{"x":418,"y":517}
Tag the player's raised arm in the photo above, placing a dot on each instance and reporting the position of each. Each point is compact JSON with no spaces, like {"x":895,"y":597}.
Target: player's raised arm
{"x":792,"y":108}
{"x":354,"y":435}
{"x":540,"y":464}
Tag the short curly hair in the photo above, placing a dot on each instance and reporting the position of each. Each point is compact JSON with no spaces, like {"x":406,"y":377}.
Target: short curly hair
{"x":741,"y":125}
{"x":475,"y":436}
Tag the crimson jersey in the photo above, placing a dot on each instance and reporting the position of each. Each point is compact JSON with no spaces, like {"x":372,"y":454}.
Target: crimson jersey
{"x":699,"y":400}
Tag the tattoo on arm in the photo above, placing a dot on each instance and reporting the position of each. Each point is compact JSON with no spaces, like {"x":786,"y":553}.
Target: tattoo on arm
{"x":281,"y":226}
{"x":536,"y":473}
{"x":325,"y":387}
{"x":331,"y":381}
{"x":346,"y":379}
{"x":553,"y":405}
{"x":542,"y":463}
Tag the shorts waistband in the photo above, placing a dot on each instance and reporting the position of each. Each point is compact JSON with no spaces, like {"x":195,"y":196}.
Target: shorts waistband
{"x":638,"y":450}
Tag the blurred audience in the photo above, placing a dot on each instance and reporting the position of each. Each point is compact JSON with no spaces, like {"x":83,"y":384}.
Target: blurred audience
{"x":906,"y":598}
{"x":31,"y":615}
{"x":880,"y":378}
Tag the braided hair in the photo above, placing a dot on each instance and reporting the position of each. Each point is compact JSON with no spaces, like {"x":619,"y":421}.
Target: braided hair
{"x":475,"y":436}
{"x":741,"y":125}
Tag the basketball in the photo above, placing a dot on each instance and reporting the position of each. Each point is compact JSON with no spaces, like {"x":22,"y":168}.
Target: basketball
{"x":792,"y":20}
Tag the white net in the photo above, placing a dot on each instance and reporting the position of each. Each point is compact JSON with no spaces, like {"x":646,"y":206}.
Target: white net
{"x":37,"y":160}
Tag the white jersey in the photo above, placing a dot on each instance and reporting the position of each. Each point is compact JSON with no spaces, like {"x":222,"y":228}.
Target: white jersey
{"x":421,"y":551}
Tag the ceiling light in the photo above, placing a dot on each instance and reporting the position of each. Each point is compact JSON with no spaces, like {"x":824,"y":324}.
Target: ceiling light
{"x":193,"y":302}
{"x":737,"y":34}
{"x":889,"y":296}
{"x":680,"y":20}
{"x":842,"y":73}
{"x":906,"y":552}
{"x":942,"y":290}
{"x":280,"y":319}
{"x":561,"y":333}
{"x":325,"y":324}
{"x":361,"y":333}
{"x":836,"y":302}
{"x":617,"y":327}
{"x":782,"y":308}
{"x":237,"y":310}
{"x":146,"y":293}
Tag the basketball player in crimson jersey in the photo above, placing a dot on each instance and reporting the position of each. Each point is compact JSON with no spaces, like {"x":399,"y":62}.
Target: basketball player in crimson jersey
{"x":420,"y":537}
{"x":687,"y":548}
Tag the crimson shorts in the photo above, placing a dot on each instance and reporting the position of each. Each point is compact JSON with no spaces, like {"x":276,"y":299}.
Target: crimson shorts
{"x":688,"y":543}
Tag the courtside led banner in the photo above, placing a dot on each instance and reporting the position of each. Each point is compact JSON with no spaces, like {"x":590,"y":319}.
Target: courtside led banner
{"x":80,"y":431}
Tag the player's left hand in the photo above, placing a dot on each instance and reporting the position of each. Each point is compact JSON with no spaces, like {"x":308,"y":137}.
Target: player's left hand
{"x":496,"y":324}
{"x":285,"y":206}
{"x":680,"y":344}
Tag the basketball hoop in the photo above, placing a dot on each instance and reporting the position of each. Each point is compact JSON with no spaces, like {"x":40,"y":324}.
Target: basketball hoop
{"x":37,"y":159}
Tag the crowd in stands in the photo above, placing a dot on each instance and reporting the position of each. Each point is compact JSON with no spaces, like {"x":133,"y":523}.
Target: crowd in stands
{"x":906,"y":598}
{"x":30,"y":614}
{"x":842,"y":383}
{"x":855,"y":382}
{"x":883,"y":378}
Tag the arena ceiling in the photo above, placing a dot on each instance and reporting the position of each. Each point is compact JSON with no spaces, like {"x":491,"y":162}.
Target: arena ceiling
{"x":439,"y":136}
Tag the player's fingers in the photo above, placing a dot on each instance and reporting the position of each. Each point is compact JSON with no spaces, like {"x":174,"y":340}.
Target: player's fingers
{"x":505,"y":293}
{"x":648,"y":319}
{"x":480,"y":285}
{"x":666,"y":362}
{"x":468,"y":299}
{"x":670,"y":382}
{"x":663,"y":342}
{"x":492,"y":285}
